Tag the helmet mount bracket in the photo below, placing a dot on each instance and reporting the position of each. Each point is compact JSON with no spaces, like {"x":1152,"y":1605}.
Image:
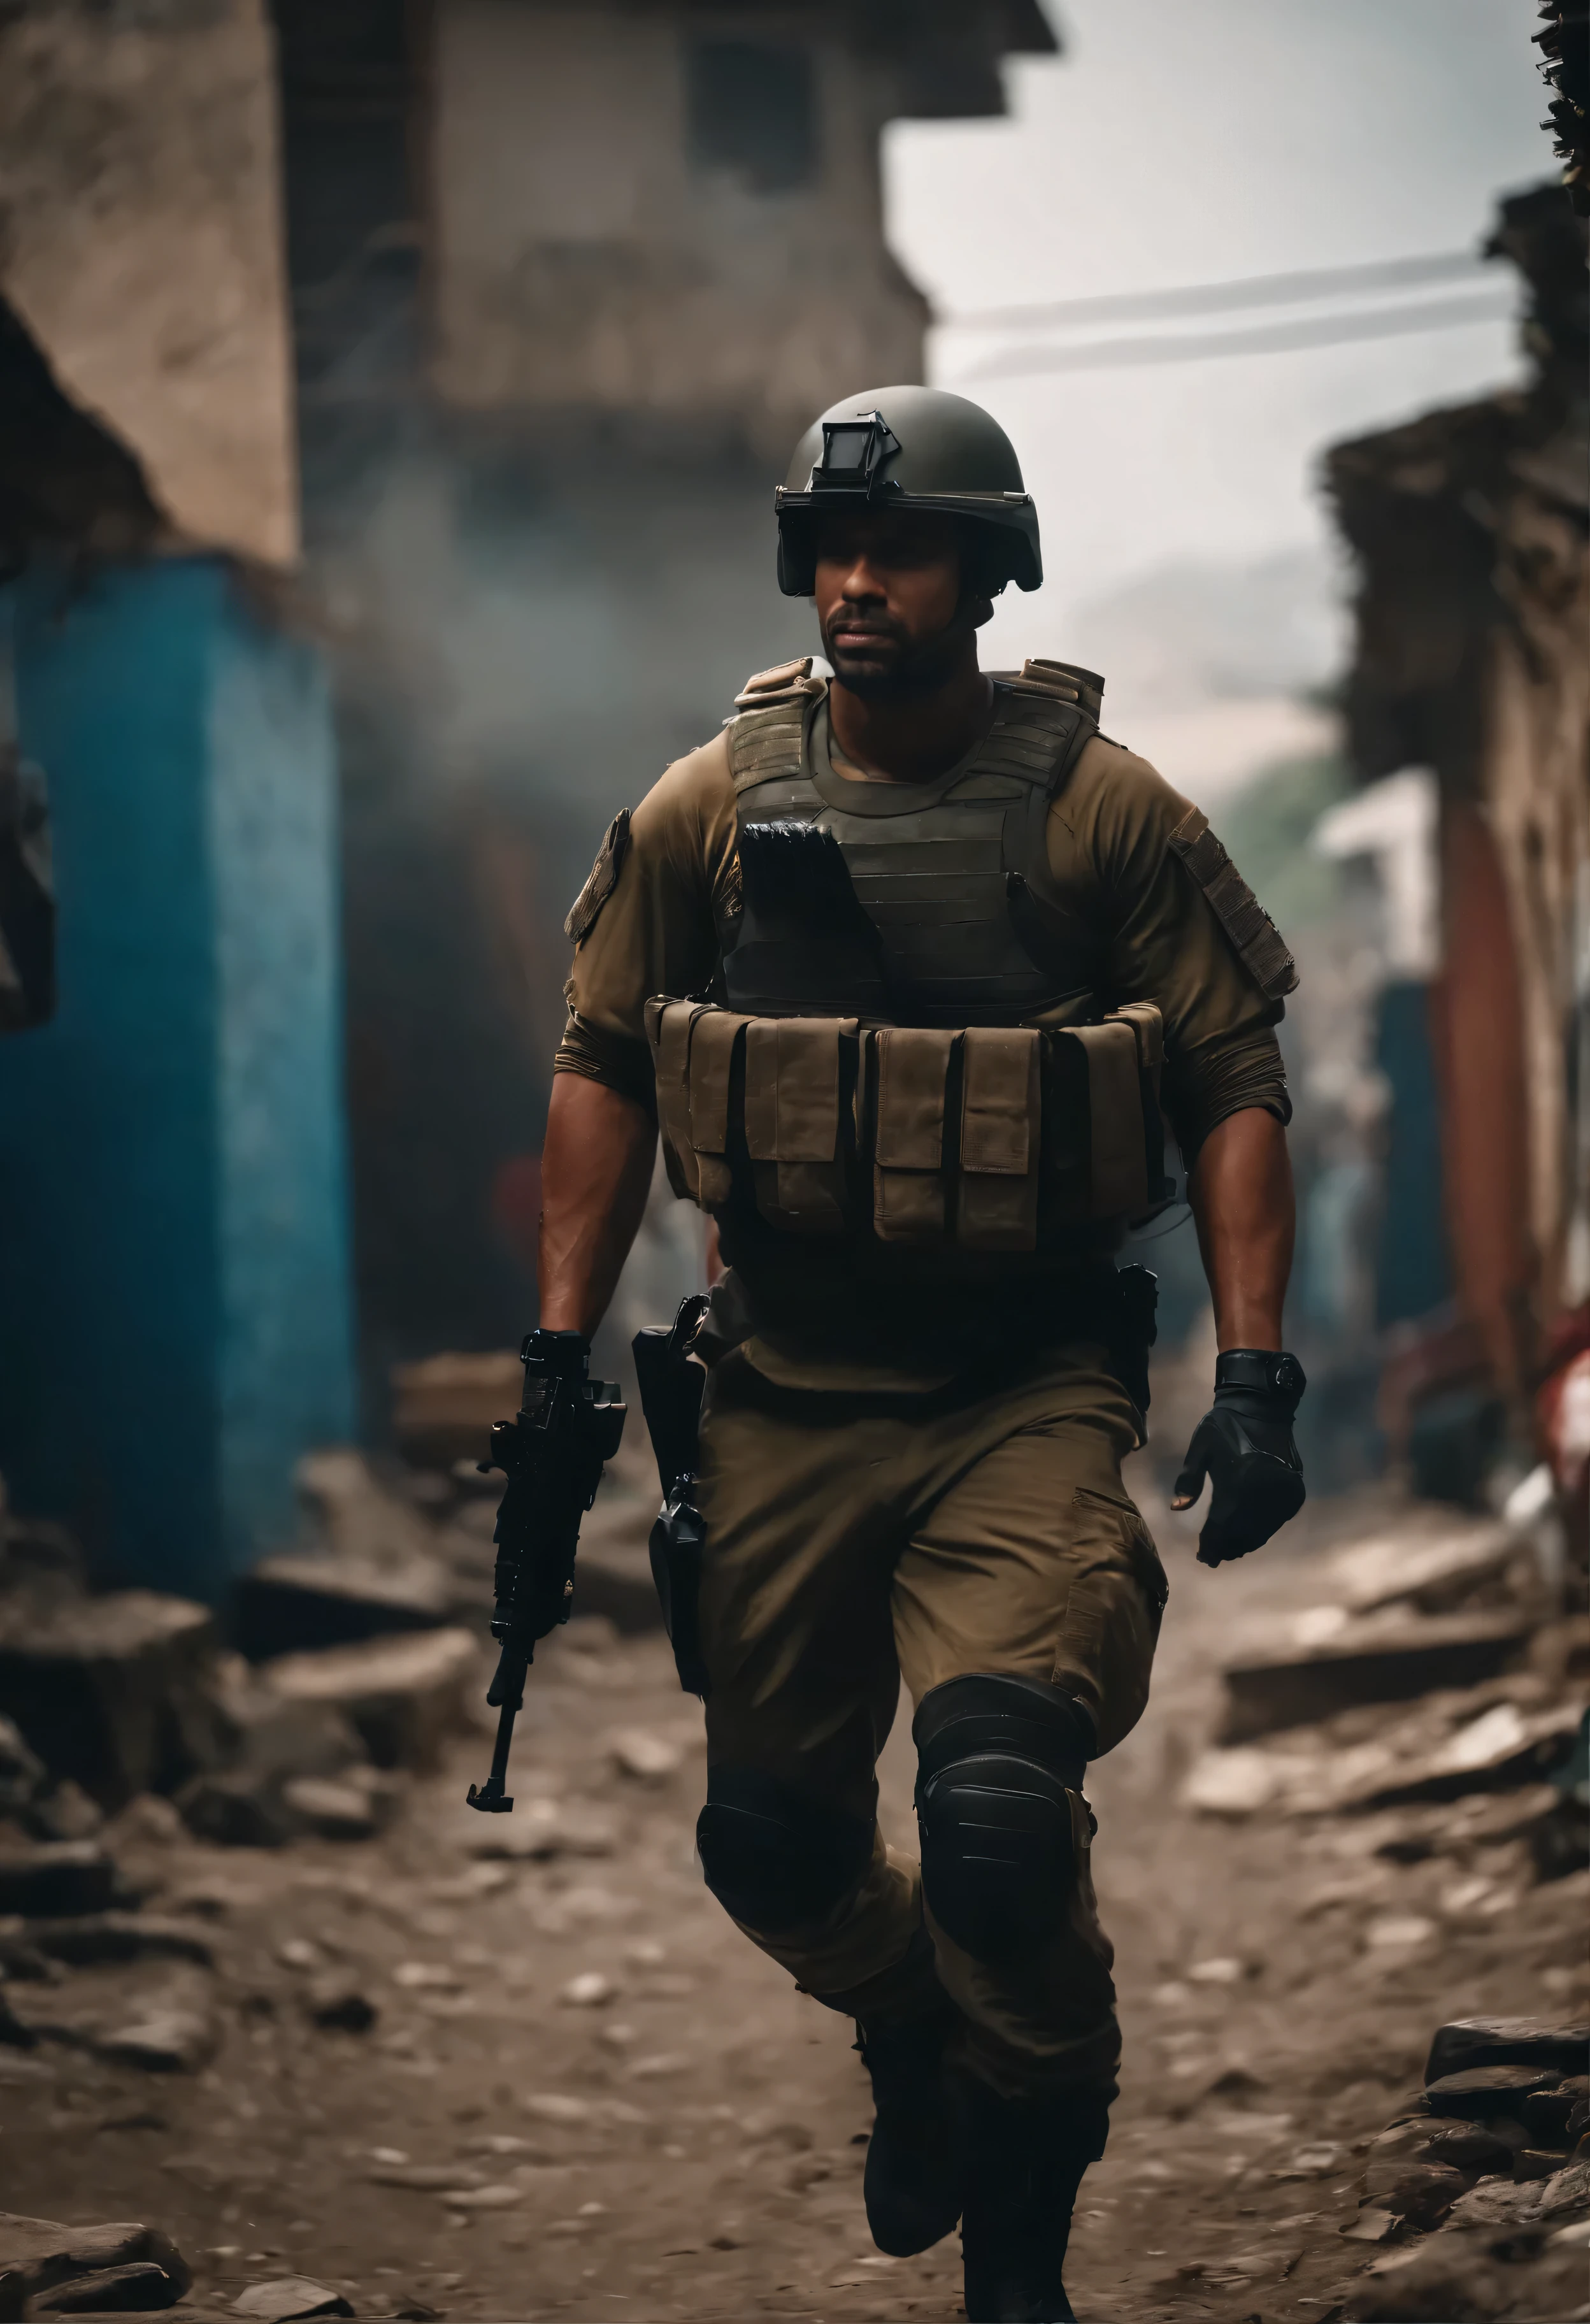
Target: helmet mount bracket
{"x":853,"y":452}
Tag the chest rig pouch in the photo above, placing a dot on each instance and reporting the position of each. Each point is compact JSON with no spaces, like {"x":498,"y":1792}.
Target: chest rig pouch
{"x":994,"y":1137}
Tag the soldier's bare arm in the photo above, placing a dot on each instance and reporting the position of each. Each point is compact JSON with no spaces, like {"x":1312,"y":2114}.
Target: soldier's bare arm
{"x":595,"y":1175}
{"x":1241,"y":1194}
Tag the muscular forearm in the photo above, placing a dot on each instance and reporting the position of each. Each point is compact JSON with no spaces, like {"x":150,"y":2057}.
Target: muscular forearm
{"x":1242,"y":1202}
{"x":595,"y":1175}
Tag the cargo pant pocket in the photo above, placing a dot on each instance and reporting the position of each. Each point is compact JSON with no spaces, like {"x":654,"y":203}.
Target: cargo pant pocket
{"x":1110,"y":1622}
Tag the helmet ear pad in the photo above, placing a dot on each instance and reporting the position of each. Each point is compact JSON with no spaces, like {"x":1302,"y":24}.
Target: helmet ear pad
{"x":797,"y":557}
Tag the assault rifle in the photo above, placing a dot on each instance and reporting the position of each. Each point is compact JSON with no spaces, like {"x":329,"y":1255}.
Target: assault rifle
{"x":552,"y":1454}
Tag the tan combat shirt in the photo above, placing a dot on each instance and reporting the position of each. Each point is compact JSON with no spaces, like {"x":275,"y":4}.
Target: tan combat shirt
{"x":1146,"y":931}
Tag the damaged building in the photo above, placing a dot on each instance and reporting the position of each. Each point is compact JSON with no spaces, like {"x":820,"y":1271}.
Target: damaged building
{"x":1469,"y":528}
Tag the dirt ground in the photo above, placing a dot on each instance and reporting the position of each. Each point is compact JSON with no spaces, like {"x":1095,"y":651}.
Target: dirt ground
{"x":687,"y":2140}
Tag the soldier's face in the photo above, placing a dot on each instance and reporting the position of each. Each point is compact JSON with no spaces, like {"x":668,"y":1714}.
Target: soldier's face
{"x":888,"y":588}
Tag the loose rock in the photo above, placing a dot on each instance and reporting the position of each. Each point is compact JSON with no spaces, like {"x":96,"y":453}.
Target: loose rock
{"x":1471,"y":2042}
{"x":100,"y":1686}
{"x":56,"y":1878}
{"x":338,"y":2004}
{"x":404,"y":1695}
{"x":294,"y":1603}
{"x":37,"y":2256}
{"x":287,"y":2296}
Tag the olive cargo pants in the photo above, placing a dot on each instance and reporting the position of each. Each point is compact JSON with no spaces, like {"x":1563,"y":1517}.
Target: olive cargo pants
{"x":854,"y":1538}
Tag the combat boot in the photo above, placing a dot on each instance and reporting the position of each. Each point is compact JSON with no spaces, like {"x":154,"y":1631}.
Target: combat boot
{"x":1024,"y":2162}
{"x":913,"y":2179}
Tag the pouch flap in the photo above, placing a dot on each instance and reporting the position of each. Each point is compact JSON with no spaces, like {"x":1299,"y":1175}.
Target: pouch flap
{"x":999,"y":1100}
{"x":1118,"y":1165}
{"x":667,"y":1028}
{"x":792,"y":1087}
{"x":712,"y":1057}
{"x":913,"y":1067}
{"x":1144,"y":1019}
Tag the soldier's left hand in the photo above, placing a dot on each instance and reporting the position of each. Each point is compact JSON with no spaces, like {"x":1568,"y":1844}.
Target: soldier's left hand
{"x":1244,"y":1445}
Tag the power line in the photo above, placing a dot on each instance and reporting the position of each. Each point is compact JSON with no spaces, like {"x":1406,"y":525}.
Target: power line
{"x":1215,"y":298}
{"x":1270,"y":339}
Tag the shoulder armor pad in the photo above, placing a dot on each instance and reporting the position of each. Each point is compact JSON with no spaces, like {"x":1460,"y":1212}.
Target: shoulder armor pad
{"x":1257,"y":941}
{"x":787,"y":681}
{"x":1067,"y":681}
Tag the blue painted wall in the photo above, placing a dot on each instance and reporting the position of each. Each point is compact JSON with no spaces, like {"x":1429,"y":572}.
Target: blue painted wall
{"x":175,"y":1320}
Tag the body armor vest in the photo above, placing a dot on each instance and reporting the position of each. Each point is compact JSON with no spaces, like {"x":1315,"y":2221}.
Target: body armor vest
{"x":871,"y":1066}
{"x":953,"y":875}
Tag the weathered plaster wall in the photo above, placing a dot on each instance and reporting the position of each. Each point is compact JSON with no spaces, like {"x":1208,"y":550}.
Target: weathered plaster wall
{"x":175,"y":1318}
{"x":579,"y":259}
{"x":141,"y":243}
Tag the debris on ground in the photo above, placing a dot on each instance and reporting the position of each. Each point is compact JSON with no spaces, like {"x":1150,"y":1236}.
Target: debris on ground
{"x":47,"y":2269}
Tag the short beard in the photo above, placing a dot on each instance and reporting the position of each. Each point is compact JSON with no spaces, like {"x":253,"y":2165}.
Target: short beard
{"x":919,"y":672}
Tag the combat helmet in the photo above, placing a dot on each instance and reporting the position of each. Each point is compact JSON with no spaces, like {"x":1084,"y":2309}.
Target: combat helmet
{"x":909,"y":447}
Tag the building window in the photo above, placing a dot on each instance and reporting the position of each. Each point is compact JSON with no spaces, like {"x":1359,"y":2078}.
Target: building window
{"x":752,"y":110}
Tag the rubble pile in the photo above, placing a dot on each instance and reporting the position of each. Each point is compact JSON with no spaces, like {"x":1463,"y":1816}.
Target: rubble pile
{"x":1422,"y":1730}
{"x":1439,"y":1692}
{"x":354,"y":1668}
{"x":1481,"y":2187}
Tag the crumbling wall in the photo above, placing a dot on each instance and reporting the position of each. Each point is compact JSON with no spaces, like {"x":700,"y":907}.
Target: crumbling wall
{"x":140,"y":246}
{"x":1470,"y":529}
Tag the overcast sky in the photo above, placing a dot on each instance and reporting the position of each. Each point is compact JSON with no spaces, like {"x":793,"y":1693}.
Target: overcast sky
{"x":1175,"y":143}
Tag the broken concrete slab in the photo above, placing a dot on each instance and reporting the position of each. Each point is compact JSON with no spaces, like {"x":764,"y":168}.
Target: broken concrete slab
{"x":1470,"y":2042}
{"x":404,"y":1695}
{"x":109,"y":1692}
{"x":301,"y":1602}
{"x":233,"y":1809}
{"x":36,"y":2255}
{"x":1449,"y":1567}
{"x":55,"y":1879}
{"x":443,"y":1407}
{"x":165,"y":2027}
{"x":1380,"y":1659}
{"x":1504,"y":1748}
{"x":355,"y":1516}
{"x":97,"y":1938}
{"x":328,"y":1810}
{"x":1478,"y":2092}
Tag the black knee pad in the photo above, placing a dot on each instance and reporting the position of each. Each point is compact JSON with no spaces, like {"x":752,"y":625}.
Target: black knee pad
{"x":996,"y":1758}
{"x":771,"y":1858}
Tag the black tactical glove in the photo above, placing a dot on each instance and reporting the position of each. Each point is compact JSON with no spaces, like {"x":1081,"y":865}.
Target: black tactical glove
{"x":1244,"y":1443}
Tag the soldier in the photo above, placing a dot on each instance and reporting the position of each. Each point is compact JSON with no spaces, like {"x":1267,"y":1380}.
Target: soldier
{"x":904,"y":960}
